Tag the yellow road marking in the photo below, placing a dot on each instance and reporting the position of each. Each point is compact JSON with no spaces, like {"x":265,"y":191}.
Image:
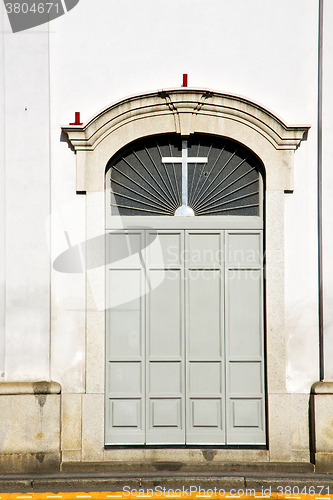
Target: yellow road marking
{"x":104,"y":495}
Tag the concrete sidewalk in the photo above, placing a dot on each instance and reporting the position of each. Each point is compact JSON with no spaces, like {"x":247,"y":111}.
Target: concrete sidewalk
{"x":226,"y":476}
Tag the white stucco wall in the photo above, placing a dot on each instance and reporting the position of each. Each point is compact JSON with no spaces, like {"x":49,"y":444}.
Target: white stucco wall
{"x":2,"y":199}
{"x":328,"y":188}
{"x":26,"y":88}
{"x":100,"y":52}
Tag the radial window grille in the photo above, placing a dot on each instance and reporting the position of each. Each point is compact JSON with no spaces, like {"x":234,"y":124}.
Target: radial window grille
{"x":141,"y":184}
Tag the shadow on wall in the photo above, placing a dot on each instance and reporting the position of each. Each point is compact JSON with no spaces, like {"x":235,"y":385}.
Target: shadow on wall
{"x":23,"y":16}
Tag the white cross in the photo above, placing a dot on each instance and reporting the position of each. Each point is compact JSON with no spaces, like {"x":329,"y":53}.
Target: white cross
{"x":184,"y":160}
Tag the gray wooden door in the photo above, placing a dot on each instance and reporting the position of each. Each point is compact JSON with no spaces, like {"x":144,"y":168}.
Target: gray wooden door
{"x":185,"y":337}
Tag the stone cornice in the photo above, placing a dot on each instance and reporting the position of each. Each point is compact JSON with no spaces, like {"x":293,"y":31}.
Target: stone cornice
{"x":40,"y":387}
{"x":184,"y":106}
{"x":322,"y":387}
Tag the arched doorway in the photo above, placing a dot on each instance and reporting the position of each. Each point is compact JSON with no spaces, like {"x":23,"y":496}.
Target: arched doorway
{"x":184,"y":284}
{"x":186,"y":112}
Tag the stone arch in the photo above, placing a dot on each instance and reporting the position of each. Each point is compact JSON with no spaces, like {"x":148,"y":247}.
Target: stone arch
{"x":185,"y":111}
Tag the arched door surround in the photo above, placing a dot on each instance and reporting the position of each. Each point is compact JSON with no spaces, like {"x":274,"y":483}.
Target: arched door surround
{"x":185,"y":112}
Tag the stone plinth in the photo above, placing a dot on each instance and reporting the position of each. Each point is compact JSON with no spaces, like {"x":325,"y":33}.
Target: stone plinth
{"x":322,"y":425}
{"x":30,"y":426}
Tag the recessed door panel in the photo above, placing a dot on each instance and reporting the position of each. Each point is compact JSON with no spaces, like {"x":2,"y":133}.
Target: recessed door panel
{"x":125,"y":325}
{"x":204,"y":313}
{"x":205,"y":378}
{"x":164,"y":250}
{"x":244,"y":312}
{"x":165,"y":413}
{"x":204,"y":249}
{"x":126,"y":413}
{"x":245,"y":379}
{"x":165,"y":378}
{"x":206,"y":413}
{"x":244,"y":250}
{"x":164,"y":314}
{"x":246,"y":413}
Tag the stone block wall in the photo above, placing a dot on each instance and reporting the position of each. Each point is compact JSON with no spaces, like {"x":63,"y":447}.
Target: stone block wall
{"x":30,"y":426}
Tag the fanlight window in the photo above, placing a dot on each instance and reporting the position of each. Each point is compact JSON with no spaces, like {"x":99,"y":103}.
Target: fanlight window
{"x":224,"y":180}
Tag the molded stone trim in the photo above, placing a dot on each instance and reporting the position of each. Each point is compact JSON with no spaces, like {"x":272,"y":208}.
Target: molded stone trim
{"x":184,"y":105}
{"x":184,"y":111}
{"x":321,"y":416}
{"x":42,"y":387}
{"x":322,"y":387}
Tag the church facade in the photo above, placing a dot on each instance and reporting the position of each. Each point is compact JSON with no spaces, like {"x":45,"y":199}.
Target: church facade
{"x":165,"y":259}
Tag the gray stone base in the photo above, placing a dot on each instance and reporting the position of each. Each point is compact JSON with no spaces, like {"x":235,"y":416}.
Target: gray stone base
{"x":31,"y":441}
{"x":30,"y":462}
{"x":29,"y":427}
{"x":324,"y":462}
{"x":322,"y":425}
{"x":186,"y":467}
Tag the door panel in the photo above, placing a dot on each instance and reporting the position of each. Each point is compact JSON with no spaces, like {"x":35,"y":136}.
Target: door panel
{"x":165,"y":378}
{"x":125,"y":378}
{"x":204,"y":337}
{"x":244,"y":250}
{"x":204,"y":315}
{"x":244,"y":307}
{"x":203,"y":249}
{"x":206,"y":413}
{"x":165,"y":375}
{"x":164,"y":315}
{"x":168,"y":252}
{"x":125,"y":319}
{"x":246,"y":414}
{"x":245,"y":379}
{"x":166,"y":413}
{"x":244,"y":342}
{"x":205,"y":379}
